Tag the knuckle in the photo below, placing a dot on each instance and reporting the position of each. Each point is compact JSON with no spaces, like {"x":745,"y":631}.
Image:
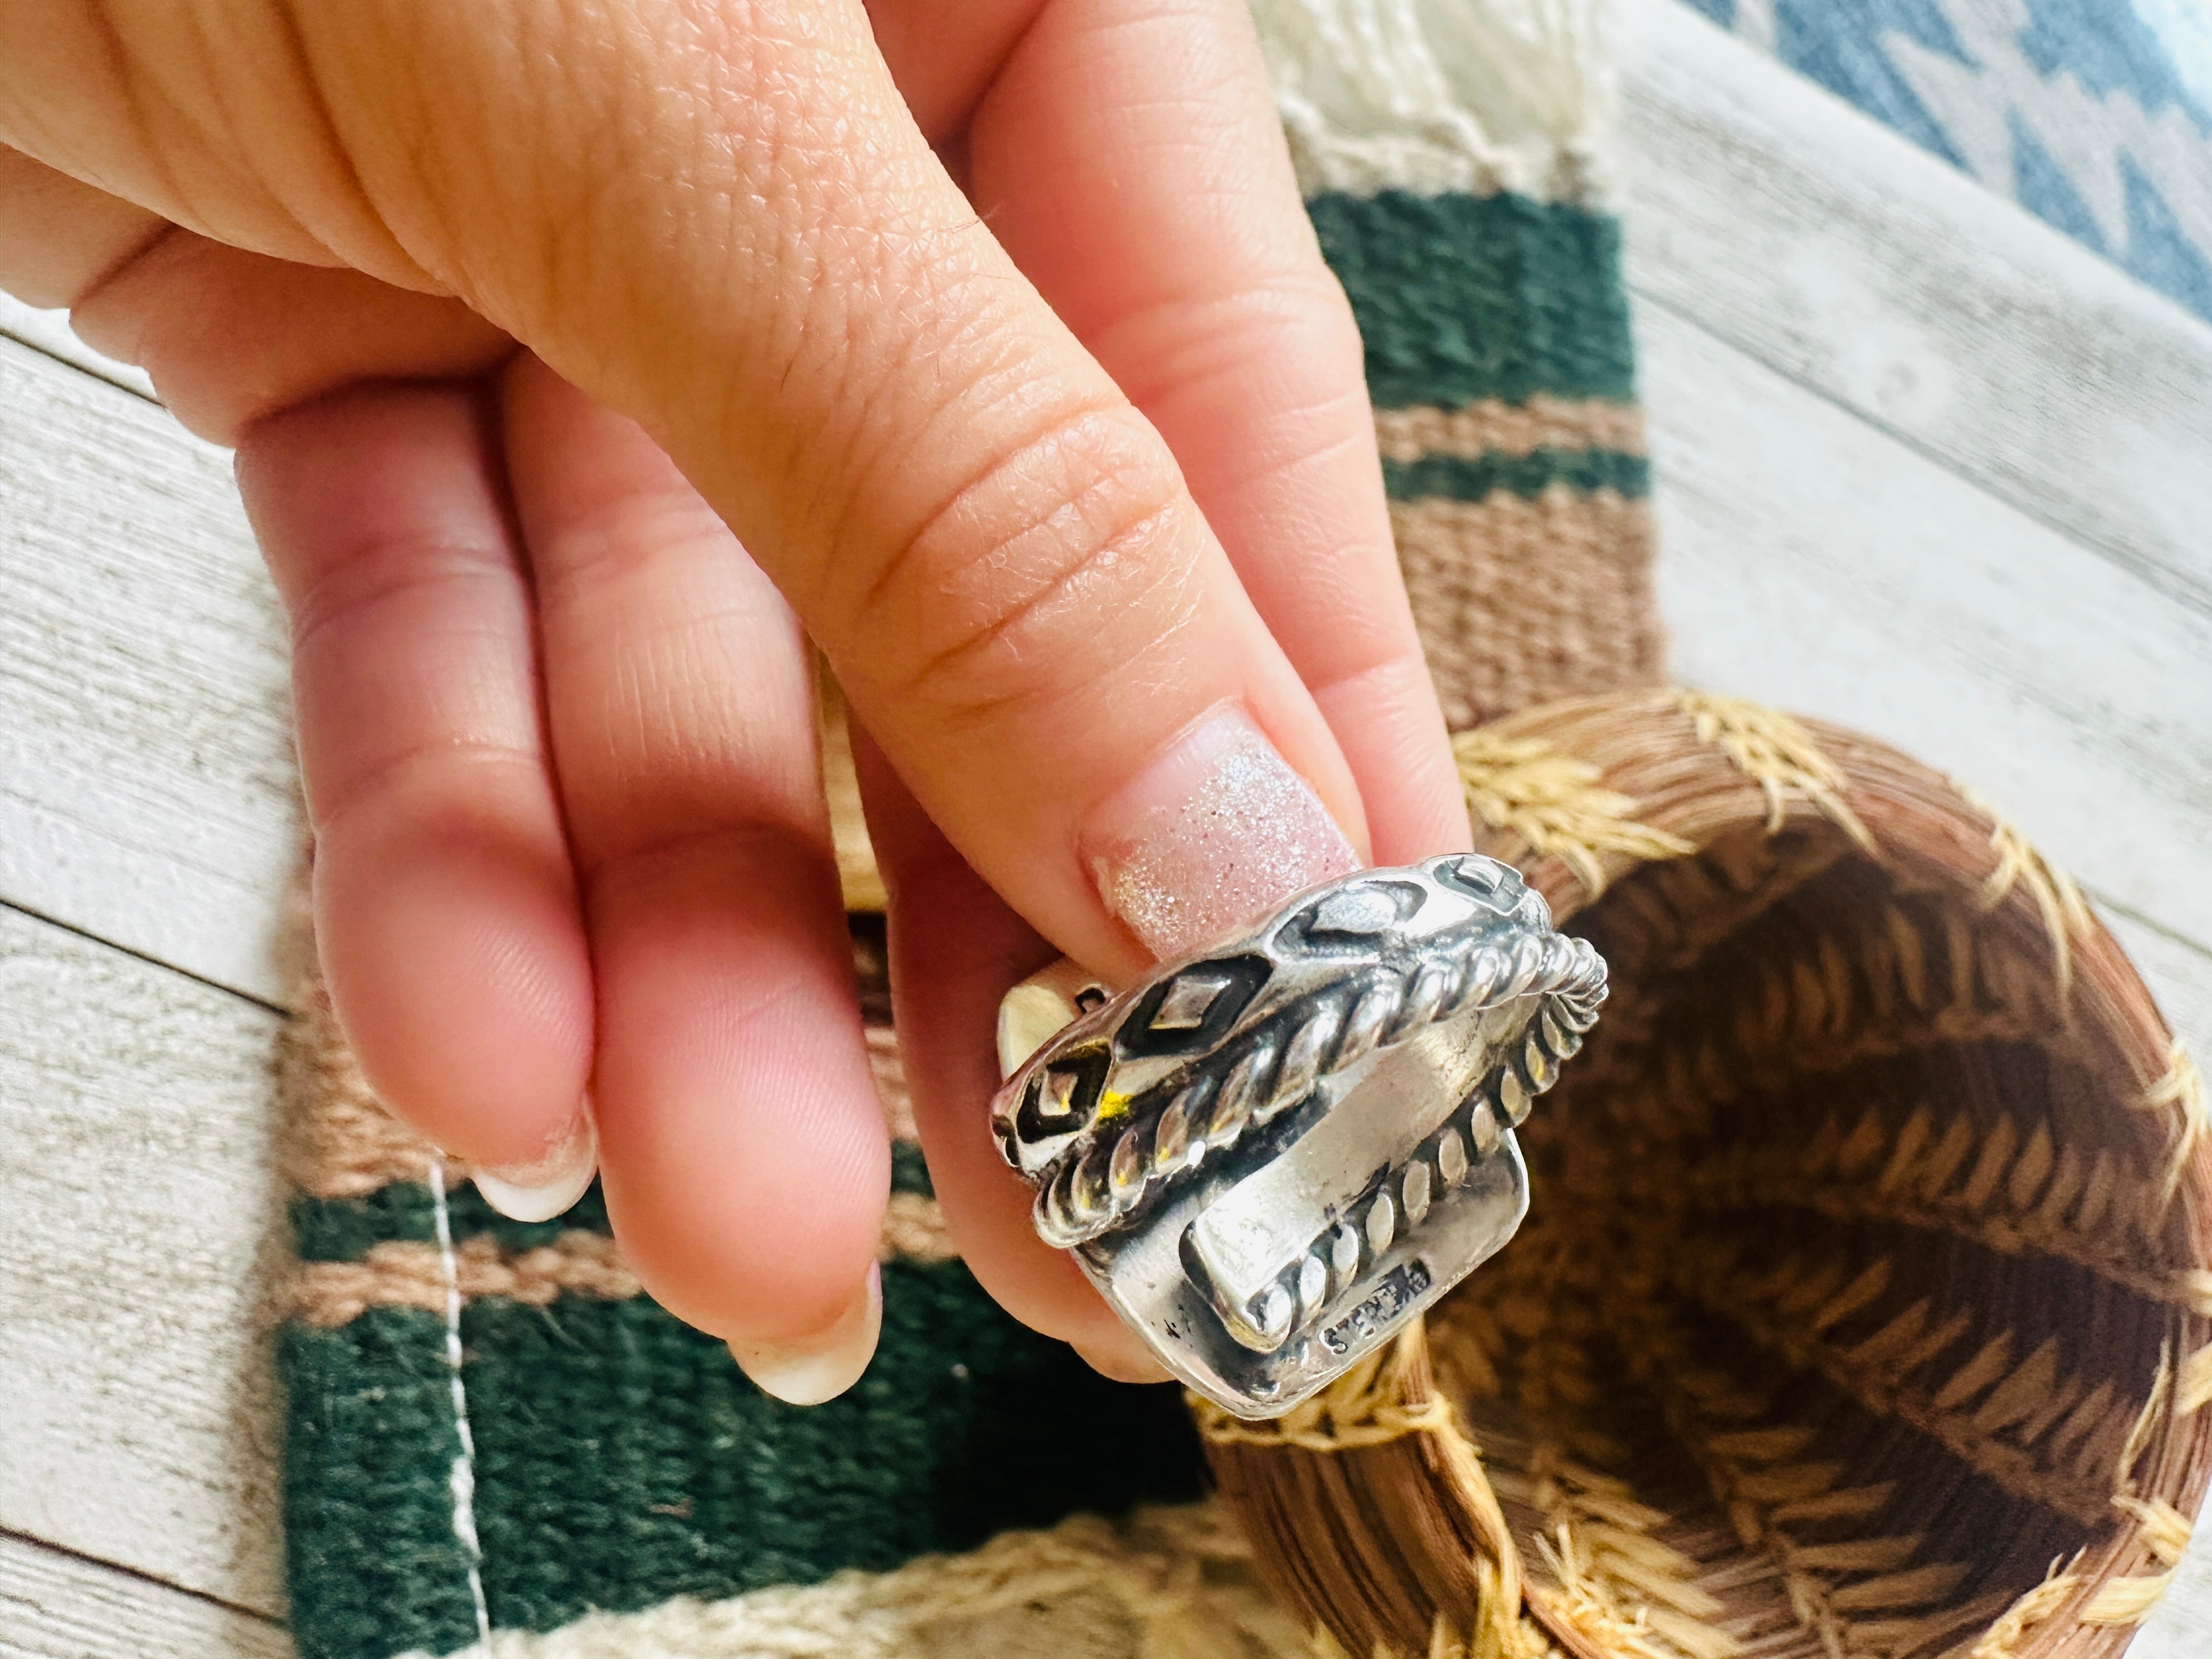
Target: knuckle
{"x":446,"y":787}
{"x":375,"y":586}
{"x":1065,"y":555}
{"x":641,"y":535}
{"x":394,"y":643}
{"x":1296,"y":327}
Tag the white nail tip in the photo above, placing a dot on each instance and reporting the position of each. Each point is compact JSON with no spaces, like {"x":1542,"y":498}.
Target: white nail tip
{"x":809,"y":1376}
{"x":541,"y":1191}
{"x":1036,"y":1011}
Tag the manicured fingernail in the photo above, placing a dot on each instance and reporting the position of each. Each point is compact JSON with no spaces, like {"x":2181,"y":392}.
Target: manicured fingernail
{"x":806,"y":1374}
{"x":1216,"y":831}
{"x":1129,"y":1363}
{"x":541,"y":1190}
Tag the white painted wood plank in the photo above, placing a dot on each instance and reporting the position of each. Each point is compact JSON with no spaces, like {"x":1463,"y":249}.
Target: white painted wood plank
{"x":54,"y":1605}
{"x":1810,"y":561}
{"x":145,"y":753}
{"x":1827,"y":246}
{"x":50,"y":331}
{"x":2178,"y":974}
{"x":2181,"y":1628}
{"x":140,"y":1230}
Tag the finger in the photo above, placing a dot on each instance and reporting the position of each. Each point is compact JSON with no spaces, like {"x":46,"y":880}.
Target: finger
{"x":1193,"y":273}
{"x":996,"y":552}
{"x":229,"y":337}
{"x":955,"y":947}
{"x":207,"y":116}
{"x":942,"y":72}
{"x":745,"y":1158}
{"x":63,"y":236}
{"x":444,"y":906}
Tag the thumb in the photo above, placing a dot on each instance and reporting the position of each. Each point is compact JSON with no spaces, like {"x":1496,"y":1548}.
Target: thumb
{"x":721,"y":220}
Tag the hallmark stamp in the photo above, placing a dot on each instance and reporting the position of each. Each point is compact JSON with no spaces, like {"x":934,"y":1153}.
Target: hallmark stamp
{"x":1400,"y":1290}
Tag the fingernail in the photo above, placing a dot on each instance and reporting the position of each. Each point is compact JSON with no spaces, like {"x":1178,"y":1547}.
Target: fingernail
{"x":1215,"y":832}
{"x":541,"y":1190}
{"x":1133,"y":1363}
{"x":1038,"y":1009}
{"x":806,"y":1374}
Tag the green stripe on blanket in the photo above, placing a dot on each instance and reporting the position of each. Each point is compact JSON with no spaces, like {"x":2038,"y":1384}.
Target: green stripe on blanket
{"x":1474,"y":479}
{"x":621,"y":1459}
{"x":1460,"y":298}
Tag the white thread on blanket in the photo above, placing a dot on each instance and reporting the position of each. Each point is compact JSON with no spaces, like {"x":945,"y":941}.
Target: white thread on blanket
{"x":464,"y":1466}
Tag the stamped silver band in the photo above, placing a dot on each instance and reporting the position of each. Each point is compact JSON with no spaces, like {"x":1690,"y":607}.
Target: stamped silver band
{"x":1268,"y":1157}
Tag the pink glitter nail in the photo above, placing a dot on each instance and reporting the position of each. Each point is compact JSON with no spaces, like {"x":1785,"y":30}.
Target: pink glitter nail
{"x":1211,"y":836}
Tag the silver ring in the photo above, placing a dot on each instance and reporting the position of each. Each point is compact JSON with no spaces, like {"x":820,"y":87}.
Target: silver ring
{"x":1270,"y":1156}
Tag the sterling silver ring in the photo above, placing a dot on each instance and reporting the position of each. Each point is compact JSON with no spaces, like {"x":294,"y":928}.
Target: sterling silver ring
{"x":1270,"y":1156}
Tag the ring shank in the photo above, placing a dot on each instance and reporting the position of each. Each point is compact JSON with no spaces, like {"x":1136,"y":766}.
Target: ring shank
{"x":1371,"y":1120}
{"x":1270,"y":1156}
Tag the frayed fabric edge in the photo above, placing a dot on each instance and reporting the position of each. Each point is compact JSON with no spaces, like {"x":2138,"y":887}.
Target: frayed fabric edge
{"x":1180,"y":1578}
{"x":1437,"y":96}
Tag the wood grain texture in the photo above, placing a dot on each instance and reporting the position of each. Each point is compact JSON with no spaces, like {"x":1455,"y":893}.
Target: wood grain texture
{"x":1813,"y":561}
{"x":2178,"y":974}
{"x":49,"y":331}
{"x":140,"y":1234}
{"x":145,"y":750}
{"x":54,"y":1605}
{"x":1843,"y":342}
{"x":2181,"y":1625}
{"x":1829,"y":247}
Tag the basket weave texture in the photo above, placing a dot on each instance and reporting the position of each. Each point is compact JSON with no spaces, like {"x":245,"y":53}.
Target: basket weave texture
{"x":1862,"y":1304}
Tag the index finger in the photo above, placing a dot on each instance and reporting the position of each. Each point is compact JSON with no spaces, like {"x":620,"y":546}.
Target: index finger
{"x":998,"y":553}
{"x":1128,"y":154}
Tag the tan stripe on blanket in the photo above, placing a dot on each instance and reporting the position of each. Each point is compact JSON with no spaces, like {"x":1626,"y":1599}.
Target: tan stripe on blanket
{"x":1521,"y":601}
{"x":1492,"y":426}
{"x":407,"y":1273}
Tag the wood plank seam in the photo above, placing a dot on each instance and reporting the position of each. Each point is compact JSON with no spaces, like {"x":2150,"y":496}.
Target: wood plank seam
{"x":2176,"y":584}
{"x":92,"y":937}
{"x":75,"y":367}
{"x":47,"y":1546}
{"x":141,"y":1247}
{"x":47,"y":330}
{"x":1813,"y":563}
{"x":2106,"y":901}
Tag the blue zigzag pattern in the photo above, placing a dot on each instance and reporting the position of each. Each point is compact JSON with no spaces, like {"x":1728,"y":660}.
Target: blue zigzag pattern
{"x":2095,"y":115}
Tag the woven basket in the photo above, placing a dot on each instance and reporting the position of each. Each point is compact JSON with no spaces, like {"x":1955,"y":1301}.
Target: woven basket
{"x":1862,"y":1307}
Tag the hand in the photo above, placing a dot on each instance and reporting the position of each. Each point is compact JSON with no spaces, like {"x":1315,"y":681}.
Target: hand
{"x":584,"y":362}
